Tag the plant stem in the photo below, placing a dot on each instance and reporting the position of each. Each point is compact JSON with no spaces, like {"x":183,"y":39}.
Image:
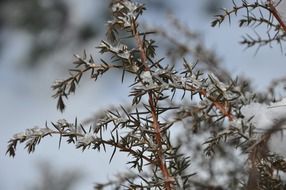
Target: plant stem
{"x":276,"y":15}
{"x":160,"y":156}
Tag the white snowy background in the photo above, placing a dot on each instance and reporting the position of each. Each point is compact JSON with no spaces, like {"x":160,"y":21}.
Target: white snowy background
{"x":264,"y":117}
{"x":25,"y":97}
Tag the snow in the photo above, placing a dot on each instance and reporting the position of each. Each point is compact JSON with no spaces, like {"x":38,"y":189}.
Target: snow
{"x":146,"y":77}
{"x":86,"y":140}
{"x":261,"y":117}
{"x":264,"y":117}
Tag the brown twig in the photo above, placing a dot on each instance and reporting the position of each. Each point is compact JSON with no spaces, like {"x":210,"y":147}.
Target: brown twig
{"x":276,"y":14}
{"x":225,"y":109}
{"x":160,"y":158}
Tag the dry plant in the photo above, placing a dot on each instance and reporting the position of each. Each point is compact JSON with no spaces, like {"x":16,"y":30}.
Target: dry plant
{"x":220,"y":146}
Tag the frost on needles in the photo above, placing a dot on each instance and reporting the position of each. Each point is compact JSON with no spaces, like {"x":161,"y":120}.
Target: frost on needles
{"x":228,"y":134}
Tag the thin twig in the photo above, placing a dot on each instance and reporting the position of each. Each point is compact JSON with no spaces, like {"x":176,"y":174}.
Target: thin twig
{"x":160,"y":158}
{"x":276,"y":15}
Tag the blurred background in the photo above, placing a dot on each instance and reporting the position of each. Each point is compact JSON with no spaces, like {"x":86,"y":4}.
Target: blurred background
{"x":37,"y":41}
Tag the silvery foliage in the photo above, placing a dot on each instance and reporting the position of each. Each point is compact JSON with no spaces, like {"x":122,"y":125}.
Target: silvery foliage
{"x":219,"y":147}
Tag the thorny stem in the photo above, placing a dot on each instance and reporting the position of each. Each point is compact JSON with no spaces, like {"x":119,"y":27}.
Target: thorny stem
{"x":270,"y":7}
{"x":276,"y":15}
{"x":155,"y":125}
{"x":224,"y":108}
{"x":219,"y":105}
{"x":90,"y":66}
{"x":111,"y":143}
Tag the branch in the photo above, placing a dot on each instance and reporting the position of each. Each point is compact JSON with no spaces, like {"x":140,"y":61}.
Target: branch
{"x":275,"y":13}
{"x":167,"y":178}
